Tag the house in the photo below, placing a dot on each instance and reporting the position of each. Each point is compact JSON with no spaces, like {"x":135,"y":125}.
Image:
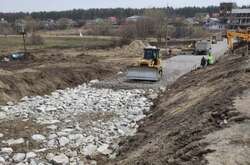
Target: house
{"x":48,"y":24}
{"x":191,"y":21}
{"x":3,"y":21}
{"x":202,"y":17}
{"x":112,"y":20}
{"x":20,"y":25}
{"x":240,"y":18}
{"x":134,"y":18}
{"x":214,"y":24}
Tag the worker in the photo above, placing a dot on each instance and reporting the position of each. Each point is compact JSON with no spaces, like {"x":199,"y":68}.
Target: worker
{"x":210,"y":59}
{"x":170,"y":52}
{"x":203,"y":62}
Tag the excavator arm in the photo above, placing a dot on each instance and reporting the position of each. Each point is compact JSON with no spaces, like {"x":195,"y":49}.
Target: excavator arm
{"x":242,"y":35}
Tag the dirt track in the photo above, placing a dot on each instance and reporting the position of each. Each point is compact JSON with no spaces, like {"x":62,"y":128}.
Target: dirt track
{"x":173,"y":68}
{"x":182,"y":126}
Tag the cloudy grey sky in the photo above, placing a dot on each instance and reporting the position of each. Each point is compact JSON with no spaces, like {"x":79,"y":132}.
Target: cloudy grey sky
{"x":56,"y":5}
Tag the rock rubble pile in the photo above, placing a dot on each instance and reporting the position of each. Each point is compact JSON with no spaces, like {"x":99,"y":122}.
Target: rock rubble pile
{"x":79,"y":122}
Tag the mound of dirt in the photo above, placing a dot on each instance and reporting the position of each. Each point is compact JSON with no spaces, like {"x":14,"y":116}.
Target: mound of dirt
{"x":134,"y":49}
{"x":137,"y":44}
{"x":197,"y":105}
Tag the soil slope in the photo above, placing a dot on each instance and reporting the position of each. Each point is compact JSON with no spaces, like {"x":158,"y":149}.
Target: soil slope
{"x":41,"y":73}
{"x":179,"y":128}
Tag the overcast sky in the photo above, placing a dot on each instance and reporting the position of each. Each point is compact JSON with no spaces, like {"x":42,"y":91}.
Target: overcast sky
{"x":57,"y":5}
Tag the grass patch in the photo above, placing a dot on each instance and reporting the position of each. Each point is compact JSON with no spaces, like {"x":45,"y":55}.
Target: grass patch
{"x":16,"y":42}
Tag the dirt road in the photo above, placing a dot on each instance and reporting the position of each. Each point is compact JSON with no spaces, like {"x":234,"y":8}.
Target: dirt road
{"x":173,"y":68}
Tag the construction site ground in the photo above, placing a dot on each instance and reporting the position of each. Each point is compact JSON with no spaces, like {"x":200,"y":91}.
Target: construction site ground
{"x":173,"y":68}
{"x":203,"y":118}
{"x":199,"y":119}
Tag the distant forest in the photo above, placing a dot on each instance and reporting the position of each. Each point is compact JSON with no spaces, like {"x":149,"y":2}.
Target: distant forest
{"x":81,"y":14}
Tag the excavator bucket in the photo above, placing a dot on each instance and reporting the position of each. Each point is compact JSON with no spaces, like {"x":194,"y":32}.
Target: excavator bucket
{"x":143,"y":73}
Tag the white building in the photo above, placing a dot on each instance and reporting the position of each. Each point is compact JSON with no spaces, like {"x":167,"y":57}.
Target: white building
{"x":240,"y":18}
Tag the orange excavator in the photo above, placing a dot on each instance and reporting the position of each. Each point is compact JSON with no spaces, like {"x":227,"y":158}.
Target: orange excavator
{"x":240,"y":35}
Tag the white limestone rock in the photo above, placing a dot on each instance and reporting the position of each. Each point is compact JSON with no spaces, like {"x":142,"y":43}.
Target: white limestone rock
{"x":6,"y":150}
{"x":2,"y":115}
{"x":52,"y":127}
{"x":10,"y":103}
{"x":60,"y":160}
{"x":33,"y":162}
{"x":50,"y":156}
{"x":70,"y":153}
{"x":38,"y":137}
{"x":40,"y":150}
{"x":63,"y":141}
{"x":104,"y":149}
{"x":52,"y":136}
{"x":90,"y":150}
{"x":93,"y":81}
{"x":30,"y":155}
{"x":52,"y":143}
{"x":2,"y":160}
{"x":11,"y":142}
{"x":18,"y":157}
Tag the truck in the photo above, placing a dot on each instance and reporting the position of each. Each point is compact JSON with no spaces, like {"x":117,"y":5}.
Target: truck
{"x":202,"y":47}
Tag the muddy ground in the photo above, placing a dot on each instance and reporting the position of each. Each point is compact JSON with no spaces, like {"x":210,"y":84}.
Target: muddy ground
{"x":184,"y":125}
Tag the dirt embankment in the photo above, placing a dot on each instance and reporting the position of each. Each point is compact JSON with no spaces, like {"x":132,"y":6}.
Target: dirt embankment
{"x":199,"y":104}
{"x":46,"y":70}
{"x":44,"y":73}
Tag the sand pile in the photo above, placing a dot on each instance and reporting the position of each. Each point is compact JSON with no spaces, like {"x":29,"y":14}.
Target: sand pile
{"x":134,"y":49}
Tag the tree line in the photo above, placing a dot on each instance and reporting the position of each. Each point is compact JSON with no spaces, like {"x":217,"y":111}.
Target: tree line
{"x":88,"y":14}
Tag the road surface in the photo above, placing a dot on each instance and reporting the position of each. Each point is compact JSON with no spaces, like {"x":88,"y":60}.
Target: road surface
{"x":173,"y":68}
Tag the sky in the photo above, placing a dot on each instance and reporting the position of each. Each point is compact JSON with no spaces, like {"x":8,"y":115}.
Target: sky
{"x":57,"y":5}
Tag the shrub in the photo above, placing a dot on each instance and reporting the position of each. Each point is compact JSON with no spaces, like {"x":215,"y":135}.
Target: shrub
{"x":35,"y":39}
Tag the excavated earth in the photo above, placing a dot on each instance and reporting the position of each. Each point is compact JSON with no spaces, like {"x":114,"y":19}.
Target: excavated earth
{"x":43,"y":72}
{"x":203,"y":118}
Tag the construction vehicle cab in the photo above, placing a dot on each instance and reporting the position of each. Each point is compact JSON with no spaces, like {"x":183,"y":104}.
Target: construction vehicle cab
{"x":148,"y":68}
{"x":151,"y":56}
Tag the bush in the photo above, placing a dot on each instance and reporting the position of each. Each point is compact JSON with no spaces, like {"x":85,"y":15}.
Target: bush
{"x":127,"y":33}
{"x":35,"y":40}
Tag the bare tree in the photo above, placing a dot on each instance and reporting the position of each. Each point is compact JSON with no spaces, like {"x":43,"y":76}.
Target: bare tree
{"x":159,"y":20}
{"x":127,"y":32}
{"x":6,"y":29}
{"x":31,"y":25}
{"x":144,"y":27}
{"x":102,"y":28}
{"x":64,"y":23}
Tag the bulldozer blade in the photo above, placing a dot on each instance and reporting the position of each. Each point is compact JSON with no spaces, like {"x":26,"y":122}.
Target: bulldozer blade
{"x":143,"y":73}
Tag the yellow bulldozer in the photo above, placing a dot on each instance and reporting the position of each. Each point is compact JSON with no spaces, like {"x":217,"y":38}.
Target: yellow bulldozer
{"x":148,"y":68}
